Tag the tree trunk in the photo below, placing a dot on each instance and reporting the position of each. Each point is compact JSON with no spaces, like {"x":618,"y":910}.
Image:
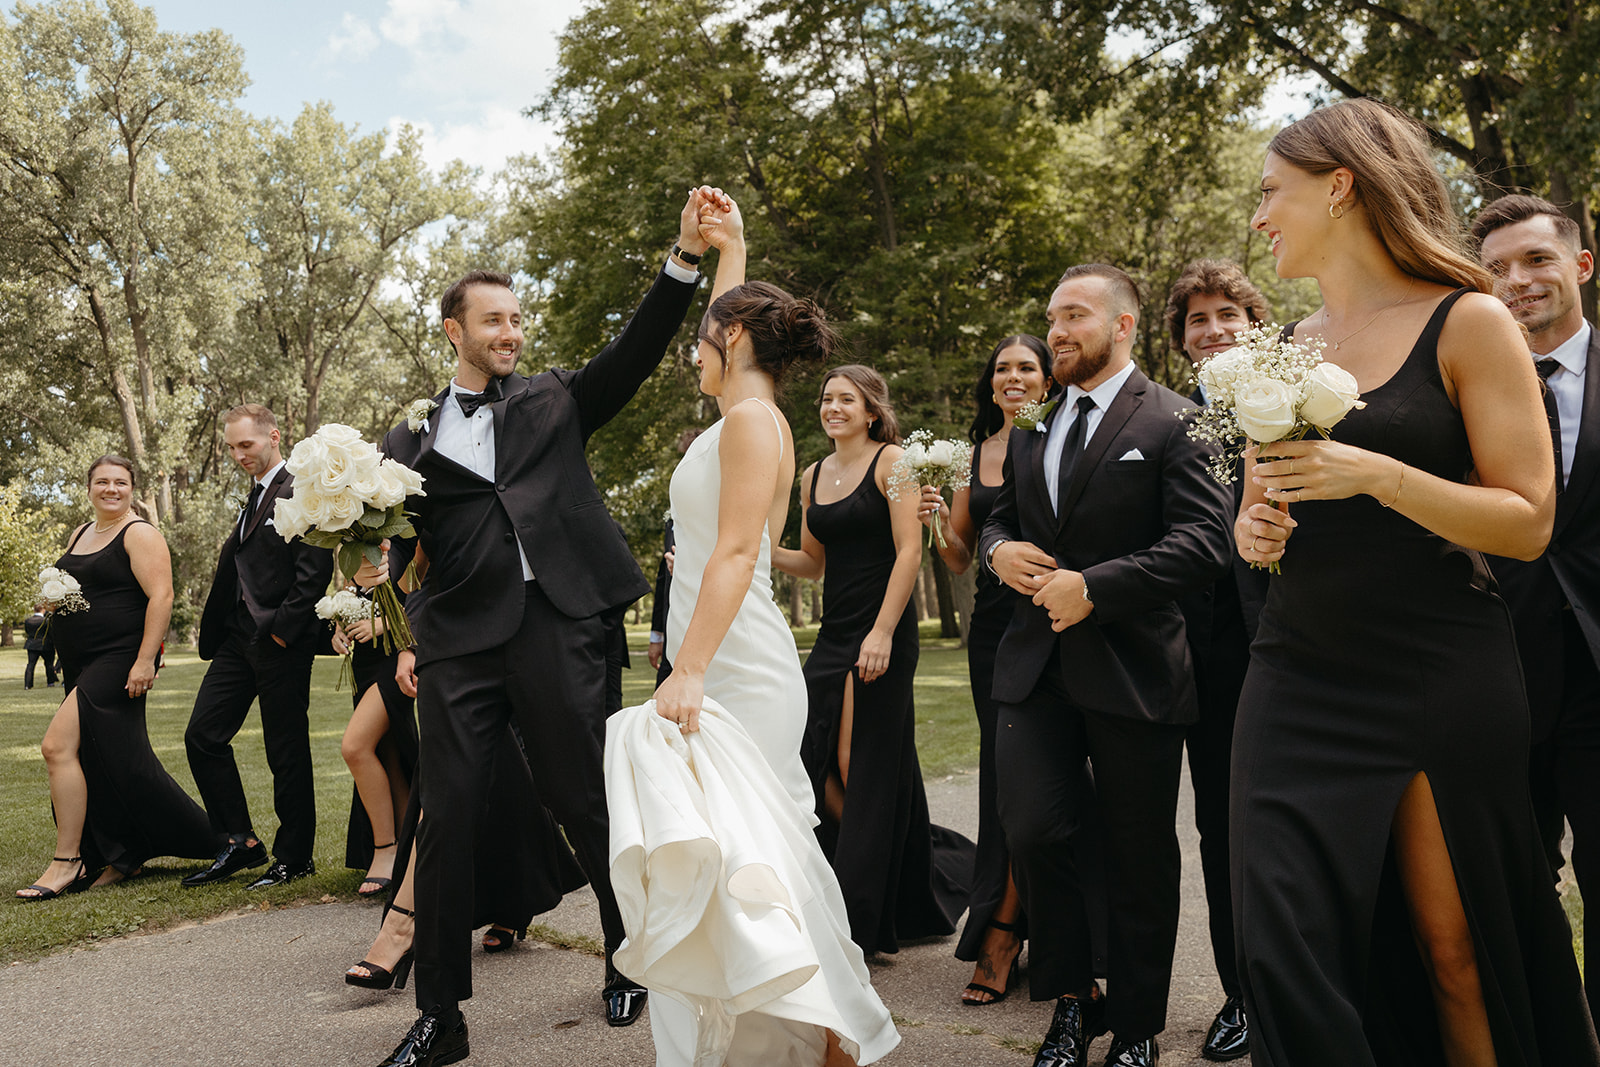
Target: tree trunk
{"x":919,"y":592}
{"x":1576,"y":205}
{"x":965,"y":588}
{"x":949,"y":626}
{"x":6,"y":639}
{"x":797,"y":604}
{"x":816,"y":602}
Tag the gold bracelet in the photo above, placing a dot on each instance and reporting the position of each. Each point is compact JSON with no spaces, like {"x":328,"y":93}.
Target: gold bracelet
{"x":1397,"y":488}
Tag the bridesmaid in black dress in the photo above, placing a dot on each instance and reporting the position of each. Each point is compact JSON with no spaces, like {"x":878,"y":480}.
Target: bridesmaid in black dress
{"x":1392,"y":899}
{"x":115,"y":804}
{"x":380,"y":748}
{"x":902,"y":877}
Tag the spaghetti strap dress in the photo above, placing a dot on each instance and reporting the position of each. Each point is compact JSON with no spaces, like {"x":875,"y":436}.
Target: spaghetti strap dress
{"x":1384,"y":652}
{"x":902,"y":876}
{"x":136,"y":809}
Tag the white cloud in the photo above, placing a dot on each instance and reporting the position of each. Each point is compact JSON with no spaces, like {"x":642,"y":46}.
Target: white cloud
{"x":354,"y":36}
{"x":486,"y":141}
{"x":408,"y":22}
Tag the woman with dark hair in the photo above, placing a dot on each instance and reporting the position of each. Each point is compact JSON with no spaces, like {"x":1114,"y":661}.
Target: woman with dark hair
{"x":115,"y":804}
{"x":1392,"y":898}
{"x":1016,"y":374}
{"x":902,"y":877}
{"x":796,"y":991}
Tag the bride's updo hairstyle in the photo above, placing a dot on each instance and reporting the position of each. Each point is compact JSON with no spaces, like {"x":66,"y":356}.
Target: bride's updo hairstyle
{"x":783,"y":329}
{"x":1401,"y":192}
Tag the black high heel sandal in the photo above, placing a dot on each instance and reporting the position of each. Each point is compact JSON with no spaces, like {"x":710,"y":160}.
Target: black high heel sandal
{"x":382,"y":883}
{"x":381,"y":977}
{"x":78,"y":884}
{"x":499,"y":938}
{"x":995,"y":995}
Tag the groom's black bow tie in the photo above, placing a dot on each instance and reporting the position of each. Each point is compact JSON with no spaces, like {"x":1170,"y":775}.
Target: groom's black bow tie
{"x":471,"y":402}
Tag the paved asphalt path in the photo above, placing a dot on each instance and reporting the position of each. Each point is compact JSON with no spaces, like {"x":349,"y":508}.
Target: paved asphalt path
{"x":265,"y":988}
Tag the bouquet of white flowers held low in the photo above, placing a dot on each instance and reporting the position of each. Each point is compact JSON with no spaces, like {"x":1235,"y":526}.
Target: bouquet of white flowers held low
{"x":349,"y":498}
{"x":59,"y":592}
{"x":1264,"y":389}
{"x":346,"y":608}
{"x":927,"y":461}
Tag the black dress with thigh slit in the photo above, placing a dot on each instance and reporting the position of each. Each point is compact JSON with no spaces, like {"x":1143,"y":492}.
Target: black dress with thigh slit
{"x":136,"y":809}
{"x":1383,"y":653}
{"x":902,"y":877}
{"x":370,"y":666}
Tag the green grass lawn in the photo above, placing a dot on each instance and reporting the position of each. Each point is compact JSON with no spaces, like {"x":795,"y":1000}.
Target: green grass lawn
{"x":946,"y":731}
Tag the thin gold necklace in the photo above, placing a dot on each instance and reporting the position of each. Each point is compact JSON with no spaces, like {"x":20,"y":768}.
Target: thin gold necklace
{"x":1409,"y":283}
{"x":114,"y":522}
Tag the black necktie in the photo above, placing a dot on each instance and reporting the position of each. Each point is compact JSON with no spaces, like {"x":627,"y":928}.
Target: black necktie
{"x":249,"y":508}
{"x":1072,"y":448}
{"x":1547,"y":367}
{"x":471,"y":402}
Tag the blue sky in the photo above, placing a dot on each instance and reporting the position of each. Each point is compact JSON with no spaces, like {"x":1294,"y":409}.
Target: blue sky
{"x":460,"y":71}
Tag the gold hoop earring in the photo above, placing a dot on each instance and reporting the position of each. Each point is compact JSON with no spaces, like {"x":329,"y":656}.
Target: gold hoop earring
{"x":1336,"y":204}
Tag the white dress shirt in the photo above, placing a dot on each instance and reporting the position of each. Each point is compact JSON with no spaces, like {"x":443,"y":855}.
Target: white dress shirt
{"x":1566,"y":385}
{"x":470,"y":442}
{"x":265,"y":482}
{"x":1102,"y":394}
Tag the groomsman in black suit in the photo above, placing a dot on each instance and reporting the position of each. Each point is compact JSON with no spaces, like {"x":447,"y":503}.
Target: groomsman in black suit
{"x":259,"y":630}
{"x":527,"y":570}
{"x":1211,"y":303}
{"x":661,"y":604}
{"x":36,"y":639}
{"x":1539,"y":263}
{"x":1104,"y":520}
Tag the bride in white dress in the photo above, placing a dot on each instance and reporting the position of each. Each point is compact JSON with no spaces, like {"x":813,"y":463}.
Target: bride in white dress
{"x":773,"y":978}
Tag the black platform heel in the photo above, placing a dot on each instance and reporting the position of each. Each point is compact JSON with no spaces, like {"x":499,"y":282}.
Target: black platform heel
{"x":995,"y":995}
{"x":382,"y":883}
{"x":380,"y":977}
{"x":498,"y":938}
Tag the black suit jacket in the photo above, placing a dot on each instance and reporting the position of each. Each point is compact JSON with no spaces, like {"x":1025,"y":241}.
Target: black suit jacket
{"x":33,"y":629}
{"x":663,"y":599}
{"x":1568,"y":572}
{"x":543,"y":494}
{"x":279,"y":581}
{"x":1141,"y":531}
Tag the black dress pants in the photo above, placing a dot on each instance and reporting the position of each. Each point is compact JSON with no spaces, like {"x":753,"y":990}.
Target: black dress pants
{"x":1564,"y":777}
{"x":34,"y":657}
{"x":551,"y":680}
{"x":241,"y":672}
{"x":1040,"y":746}
{"x":1219,"y":676}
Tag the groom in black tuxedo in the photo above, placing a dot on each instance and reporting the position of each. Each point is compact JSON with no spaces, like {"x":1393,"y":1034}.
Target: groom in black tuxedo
{"x":259,"y":630}
{"x":526,"y":570}
{"x":1104,"y":520}
{"x":1540,"y":266}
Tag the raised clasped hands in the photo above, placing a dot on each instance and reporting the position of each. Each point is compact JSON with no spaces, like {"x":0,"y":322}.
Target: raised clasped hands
{"x":701,"y":199}
{"x":679,"y":698}
{"x":721,"y":224}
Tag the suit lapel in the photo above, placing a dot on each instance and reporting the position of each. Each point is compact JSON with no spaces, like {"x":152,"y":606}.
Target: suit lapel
{"x":264,"y":508}
{"x":1586,"y":457}
{"x":512,"y":386}
{"x":1127,"y":401}
{"x":1036,"y":456}
{"x":425,"y":446}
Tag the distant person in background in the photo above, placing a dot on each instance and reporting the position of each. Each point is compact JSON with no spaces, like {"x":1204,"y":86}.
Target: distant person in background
{"x":1210,"y":304}
{"x":661,"y":604}
{"x":115,"y":804}
{"x":36,"y":639}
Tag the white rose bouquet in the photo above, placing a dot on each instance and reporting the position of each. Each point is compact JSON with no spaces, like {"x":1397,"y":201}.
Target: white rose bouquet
{"x":59,"y":592}
{"x":345,"y":608}
{"x":1267,"y":389}
{"x":350,"y":498}
{"x":927,"y":461}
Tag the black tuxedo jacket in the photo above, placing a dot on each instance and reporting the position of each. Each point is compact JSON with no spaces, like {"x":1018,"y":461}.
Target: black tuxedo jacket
{"x":279,"y":581}
{"x":1141,"y":531}
{"x":663,"y":597}
{"x":543,"y":494}
{"x":1568,"y":572}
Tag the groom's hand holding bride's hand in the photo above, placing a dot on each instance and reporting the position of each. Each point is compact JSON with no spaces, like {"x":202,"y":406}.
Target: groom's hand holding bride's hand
{"x":679,"y":698}
{"x":721,"y":223}
{"x":700,"y":199}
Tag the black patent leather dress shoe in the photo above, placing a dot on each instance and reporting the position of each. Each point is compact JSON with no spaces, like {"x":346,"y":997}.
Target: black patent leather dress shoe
{"x":235,"y":856}
{"x":431,"y":1042}
{"x":624,"y":998}
{"x":1133,"y":1053}
{"x":281,"y":872}
{"x":1064,"y":1045}
{"x":1229,"y":1036}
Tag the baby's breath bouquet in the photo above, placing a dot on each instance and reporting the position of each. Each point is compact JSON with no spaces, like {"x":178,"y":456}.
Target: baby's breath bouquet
{"x":59,"y":592}
{"x":350,"y":498}
{"x":1268,"y":388}
{"x":927,"y":461}
{"x":345,"y":608}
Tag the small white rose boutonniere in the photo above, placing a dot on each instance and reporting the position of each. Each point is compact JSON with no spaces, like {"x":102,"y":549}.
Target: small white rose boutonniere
{"x":1031,"y":416}
{"x":417,"y":415}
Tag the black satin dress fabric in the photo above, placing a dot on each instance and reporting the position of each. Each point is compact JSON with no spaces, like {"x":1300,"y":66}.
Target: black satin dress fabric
{"x":371,"y":667}
{"x":1383,"y":653}
{"x":136,"y":810}
{"x":901,"y":876}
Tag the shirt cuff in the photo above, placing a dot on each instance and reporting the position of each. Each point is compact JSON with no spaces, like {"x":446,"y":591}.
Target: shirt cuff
{"x":680,"y":273}
{"x":657,"y":637}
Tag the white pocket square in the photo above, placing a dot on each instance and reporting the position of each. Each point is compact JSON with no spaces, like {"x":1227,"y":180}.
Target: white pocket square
{"x":271,"y":523}
{"x":1132,"y":453}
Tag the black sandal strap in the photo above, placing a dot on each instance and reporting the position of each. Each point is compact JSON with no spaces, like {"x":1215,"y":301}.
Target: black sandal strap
{"x":402,"y":911}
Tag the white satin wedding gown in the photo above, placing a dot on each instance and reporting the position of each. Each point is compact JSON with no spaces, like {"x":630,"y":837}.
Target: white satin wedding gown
{"x":735,"y":920}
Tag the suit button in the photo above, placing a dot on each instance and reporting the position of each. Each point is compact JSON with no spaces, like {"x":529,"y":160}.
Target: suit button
{"x":510,"y":538}
{"x":500,"y":488}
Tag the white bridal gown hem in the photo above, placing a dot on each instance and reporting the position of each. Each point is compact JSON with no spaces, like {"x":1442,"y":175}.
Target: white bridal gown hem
{"x":735,"y":921}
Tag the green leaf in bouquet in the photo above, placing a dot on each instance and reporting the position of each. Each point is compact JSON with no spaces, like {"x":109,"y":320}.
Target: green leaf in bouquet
{"x":322,"y":538}
{"x":373,"y":553}
{"x":374,"y":517}
{"x":350,"y":555}
{"x":399,"y":526}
